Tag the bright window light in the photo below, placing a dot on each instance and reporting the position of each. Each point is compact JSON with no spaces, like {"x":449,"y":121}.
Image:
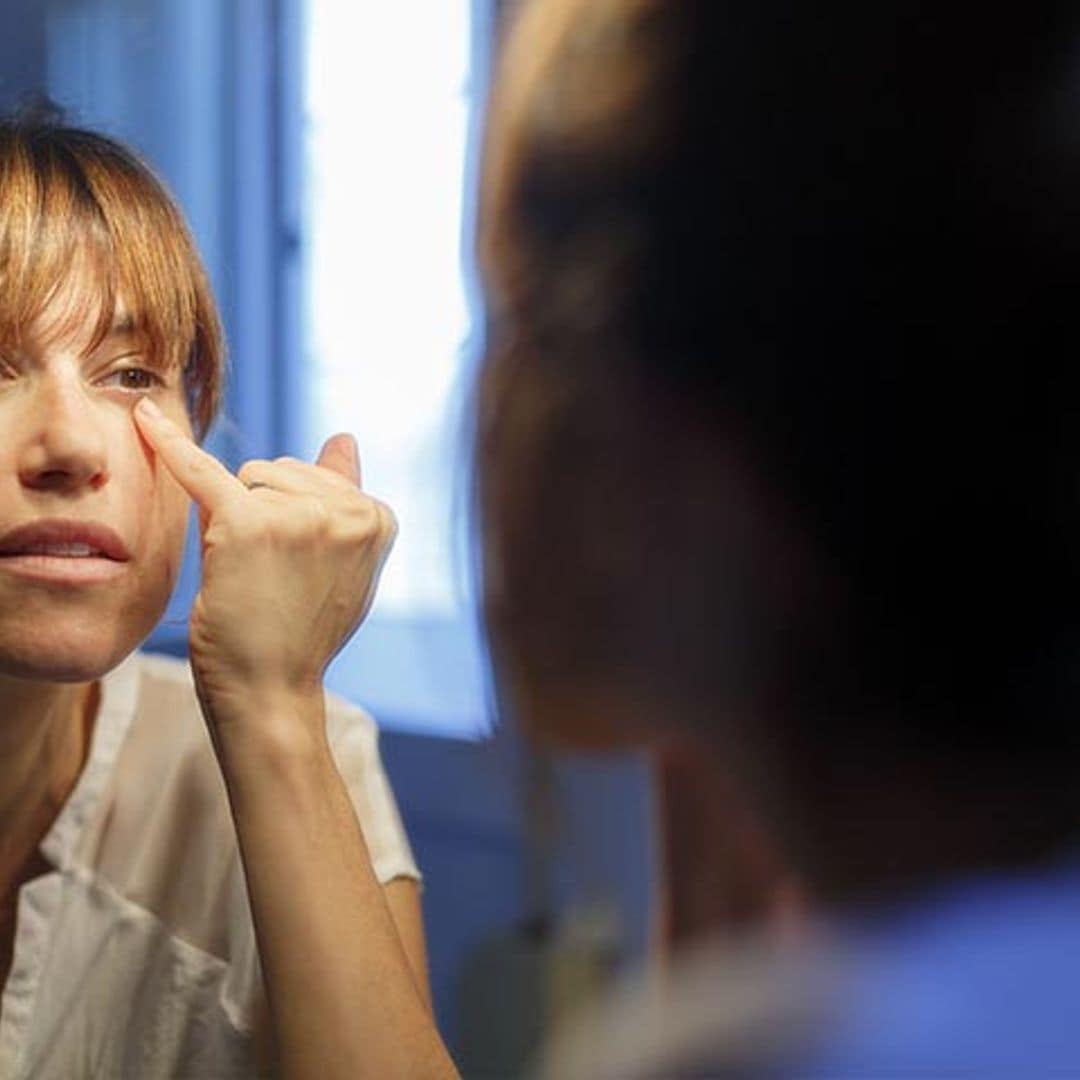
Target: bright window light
{"x":390,"y":328}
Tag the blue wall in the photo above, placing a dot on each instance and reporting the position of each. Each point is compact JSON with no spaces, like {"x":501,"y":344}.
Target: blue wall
{"x":22,"y":51}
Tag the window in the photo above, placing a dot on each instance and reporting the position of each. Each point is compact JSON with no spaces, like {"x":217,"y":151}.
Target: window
{"x":390,"y":325}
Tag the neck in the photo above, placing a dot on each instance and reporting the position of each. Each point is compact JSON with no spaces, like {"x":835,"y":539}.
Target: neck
{"x":44,"y":736}
{"x":721,"y":871}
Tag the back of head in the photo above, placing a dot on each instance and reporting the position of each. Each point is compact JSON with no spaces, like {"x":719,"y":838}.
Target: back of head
{"x":75,"y":202}
{"x":778,"y":419}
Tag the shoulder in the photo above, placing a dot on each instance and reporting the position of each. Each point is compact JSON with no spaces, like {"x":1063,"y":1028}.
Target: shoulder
{"x":166,"y":686}
{"x":354,"y":742}
{"x":729,"y":1006}
{"x":934,"y":987}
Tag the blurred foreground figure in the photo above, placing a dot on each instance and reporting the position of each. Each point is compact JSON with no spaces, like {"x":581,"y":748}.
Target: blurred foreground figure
{"x":779,"y":478}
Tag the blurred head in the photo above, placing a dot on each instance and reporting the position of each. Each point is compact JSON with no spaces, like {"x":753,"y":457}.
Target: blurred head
{"x":102,"y":300}
{"x":777,"y":438}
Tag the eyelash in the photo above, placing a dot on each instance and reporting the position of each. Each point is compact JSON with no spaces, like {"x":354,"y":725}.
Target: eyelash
{"x":154,"y":380}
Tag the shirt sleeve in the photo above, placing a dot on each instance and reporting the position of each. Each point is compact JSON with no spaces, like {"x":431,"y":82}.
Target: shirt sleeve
{"x":354,"y":742}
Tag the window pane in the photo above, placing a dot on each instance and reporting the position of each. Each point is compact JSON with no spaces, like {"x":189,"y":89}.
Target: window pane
{"x":389,"y":328}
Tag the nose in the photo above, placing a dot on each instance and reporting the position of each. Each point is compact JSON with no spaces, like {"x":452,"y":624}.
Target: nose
{"x":63,"y":448}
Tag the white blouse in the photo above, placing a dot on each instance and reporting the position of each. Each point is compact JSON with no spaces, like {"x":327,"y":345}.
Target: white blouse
{"x":136,"y":956}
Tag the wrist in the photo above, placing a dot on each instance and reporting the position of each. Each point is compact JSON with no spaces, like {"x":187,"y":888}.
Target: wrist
{"x":268,"y":723}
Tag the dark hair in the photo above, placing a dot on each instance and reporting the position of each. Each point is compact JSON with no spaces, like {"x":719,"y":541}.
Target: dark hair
{"x":780,"y":410}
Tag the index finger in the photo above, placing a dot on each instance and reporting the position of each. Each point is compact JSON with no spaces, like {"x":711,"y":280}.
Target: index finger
{"x":200,"y":474}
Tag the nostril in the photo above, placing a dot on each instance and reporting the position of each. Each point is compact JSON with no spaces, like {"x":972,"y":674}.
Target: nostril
{"x":64,"y":455}
{"x":49,"y":478}
{"x":63,"y":479}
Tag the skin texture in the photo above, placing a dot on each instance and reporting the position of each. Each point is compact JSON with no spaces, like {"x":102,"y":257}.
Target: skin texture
{"x":70,"y":451}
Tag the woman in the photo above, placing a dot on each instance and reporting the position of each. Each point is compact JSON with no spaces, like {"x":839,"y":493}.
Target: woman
{"x":777,"y":479}
{"x":155,"y":879}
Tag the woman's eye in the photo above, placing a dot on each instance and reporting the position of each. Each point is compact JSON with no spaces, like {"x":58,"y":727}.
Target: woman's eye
{"x":133,"y":378}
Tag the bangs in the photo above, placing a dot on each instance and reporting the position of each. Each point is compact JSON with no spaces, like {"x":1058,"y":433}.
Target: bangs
{"x":85,"y":227}
{"x":52,"y":239}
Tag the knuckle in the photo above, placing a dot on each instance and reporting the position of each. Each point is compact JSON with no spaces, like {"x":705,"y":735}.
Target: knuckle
{"x":250,"y":470}
{"x":195,"y":465}
{"x":393,"y":526}
{"x":385,"y":519}
{"x":340,"y":483}
{"x":388,"y":526}
{"x":231,"y":528}
{"x":365,"y":518}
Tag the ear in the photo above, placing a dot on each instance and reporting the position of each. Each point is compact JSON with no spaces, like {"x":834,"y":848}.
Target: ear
{"x":340,"y":455}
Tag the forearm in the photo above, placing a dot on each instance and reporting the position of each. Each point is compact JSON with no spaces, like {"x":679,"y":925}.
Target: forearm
{"x":343,"y":1000}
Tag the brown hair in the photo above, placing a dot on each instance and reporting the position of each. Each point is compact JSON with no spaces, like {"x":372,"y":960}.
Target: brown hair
{"x":745,"y":454}
{"x":71,"y":198}
{"x":593,"y":545}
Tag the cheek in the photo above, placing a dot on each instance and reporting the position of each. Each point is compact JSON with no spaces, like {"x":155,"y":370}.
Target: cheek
{"x":167,"y":506}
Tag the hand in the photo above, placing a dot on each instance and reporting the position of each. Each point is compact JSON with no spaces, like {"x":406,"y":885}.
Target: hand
{"x":291,"y":554}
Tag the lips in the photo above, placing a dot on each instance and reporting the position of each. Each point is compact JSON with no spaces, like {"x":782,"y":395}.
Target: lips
{"x":64,"y":539}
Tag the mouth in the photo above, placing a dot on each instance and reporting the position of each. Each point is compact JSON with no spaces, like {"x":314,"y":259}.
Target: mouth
{"x":64,"y":552}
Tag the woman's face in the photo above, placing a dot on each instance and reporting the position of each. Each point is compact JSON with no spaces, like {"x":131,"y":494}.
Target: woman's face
{"x":91,"y":527}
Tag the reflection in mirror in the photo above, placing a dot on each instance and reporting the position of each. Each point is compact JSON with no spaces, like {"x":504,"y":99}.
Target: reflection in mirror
{"x":248,"y":113}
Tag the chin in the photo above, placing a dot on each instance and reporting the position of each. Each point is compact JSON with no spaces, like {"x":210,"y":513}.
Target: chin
{"x":64,"y":654}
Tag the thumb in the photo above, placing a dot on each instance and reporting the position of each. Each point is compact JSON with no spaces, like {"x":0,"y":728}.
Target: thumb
{"x":340,"y":455}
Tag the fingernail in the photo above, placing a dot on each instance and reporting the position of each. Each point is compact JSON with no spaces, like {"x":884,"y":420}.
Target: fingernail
{"x":149,"y":409}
